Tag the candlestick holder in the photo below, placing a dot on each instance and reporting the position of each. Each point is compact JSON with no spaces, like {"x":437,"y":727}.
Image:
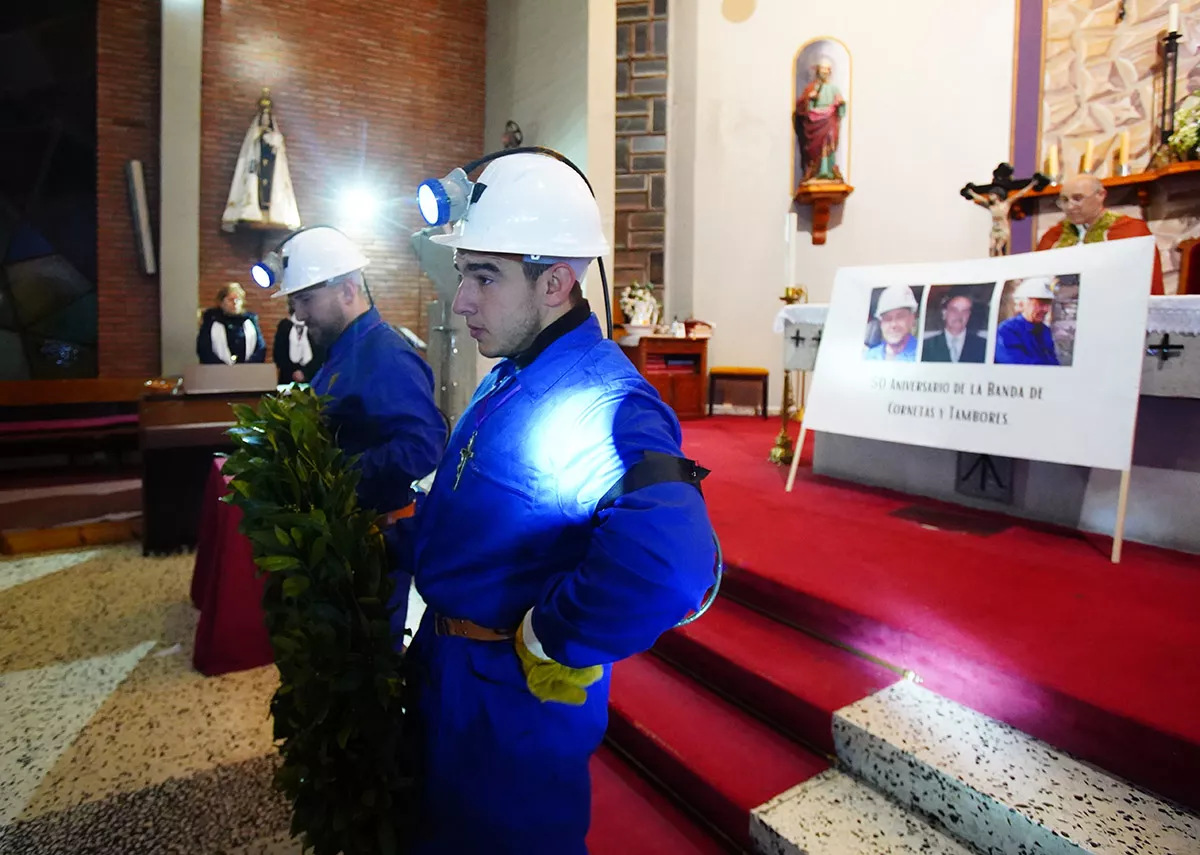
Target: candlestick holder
{"x":782,"y":451}
{"x":1163,"y":155}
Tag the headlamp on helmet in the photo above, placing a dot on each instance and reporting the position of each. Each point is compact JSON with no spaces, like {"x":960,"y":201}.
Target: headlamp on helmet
{"x":268,"y":271}
{"x":444,"y":200}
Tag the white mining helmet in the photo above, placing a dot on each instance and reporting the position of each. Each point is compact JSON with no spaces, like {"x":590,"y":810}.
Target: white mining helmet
{"x":1037,"y":288}
{"x":895,"y":297}
{"x":525,"y":204}
{"x":306,"y":258}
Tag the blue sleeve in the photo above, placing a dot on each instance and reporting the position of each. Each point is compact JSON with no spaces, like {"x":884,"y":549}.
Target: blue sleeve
{"x":411,"y":431}
{"x":650,"y":559}
{"x":1004,"y":351}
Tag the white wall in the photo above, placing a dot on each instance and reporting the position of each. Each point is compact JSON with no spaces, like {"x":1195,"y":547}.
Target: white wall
{"x":931,"y":99}
{"x":551,"y":68}
{"x":179,"y":195}
{"x":537,"y":73}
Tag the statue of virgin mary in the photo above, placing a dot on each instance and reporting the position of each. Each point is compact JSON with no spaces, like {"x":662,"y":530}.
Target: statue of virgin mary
{"x":261,"y":194}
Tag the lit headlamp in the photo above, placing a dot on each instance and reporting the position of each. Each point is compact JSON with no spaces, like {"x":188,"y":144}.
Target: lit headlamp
{"x":267,"y":272}
{"x":444,"y":200}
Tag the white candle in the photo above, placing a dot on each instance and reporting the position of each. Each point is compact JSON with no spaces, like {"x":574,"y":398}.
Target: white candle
{"x":787,"y":249}
{"x":1123,"y":151}
{"x":793,"y":226}
{"x":1173,"y":18}
{"x":1052,"y":161}
{"x":1088,"y":154}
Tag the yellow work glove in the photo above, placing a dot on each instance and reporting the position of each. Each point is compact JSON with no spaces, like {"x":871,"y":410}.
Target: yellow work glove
{"x":550,"y":681}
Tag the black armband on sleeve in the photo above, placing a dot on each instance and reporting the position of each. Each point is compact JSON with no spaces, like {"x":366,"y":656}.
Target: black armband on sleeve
{"x":654,"y":468}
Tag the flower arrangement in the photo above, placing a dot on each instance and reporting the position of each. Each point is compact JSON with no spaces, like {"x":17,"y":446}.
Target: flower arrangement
{"x":1186,"y":138}
{"x":639,"y":305}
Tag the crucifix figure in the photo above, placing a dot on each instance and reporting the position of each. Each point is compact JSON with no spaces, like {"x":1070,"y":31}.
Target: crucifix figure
{"x":996,"y":198}
{"x":464,"y":457}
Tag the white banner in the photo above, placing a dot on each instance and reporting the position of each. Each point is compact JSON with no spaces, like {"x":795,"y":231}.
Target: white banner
{"x":1035,"y":356}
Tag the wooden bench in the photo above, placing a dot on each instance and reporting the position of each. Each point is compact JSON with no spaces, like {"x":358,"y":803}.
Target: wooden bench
{"x":68,"y":416}
{"x":738,"y":374}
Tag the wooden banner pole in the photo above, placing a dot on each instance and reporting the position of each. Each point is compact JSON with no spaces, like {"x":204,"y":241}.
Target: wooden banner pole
{"x":796,"y":456}
{"x":1122,"y":506}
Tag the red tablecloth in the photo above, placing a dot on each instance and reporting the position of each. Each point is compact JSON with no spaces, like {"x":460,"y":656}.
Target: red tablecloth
{"x":231,"y":635}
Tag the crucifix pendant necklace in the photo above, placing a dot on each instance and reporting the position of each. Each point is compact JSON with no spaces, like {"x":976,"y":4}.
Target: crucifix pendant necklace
{"x":489,"y":406}
{"x":463,"y":457}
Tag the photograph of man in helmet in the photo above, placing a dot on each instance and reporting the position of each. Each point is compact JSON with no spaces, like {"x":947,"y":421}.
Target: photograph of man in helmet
{"x":382,"y":390}
{"x":892,"y":325}
{"x":1025,"y":334}
{"x":564,"y":530}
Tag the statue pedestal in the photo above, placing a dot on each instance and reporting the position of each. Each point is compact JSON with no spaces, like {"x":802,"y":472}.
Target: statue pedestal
{"x":822,"y":195}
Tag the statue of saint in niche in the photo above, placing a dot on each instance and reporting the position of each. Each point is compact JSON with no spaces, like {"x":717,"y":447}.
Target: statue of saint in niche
{"x":817,"y":121}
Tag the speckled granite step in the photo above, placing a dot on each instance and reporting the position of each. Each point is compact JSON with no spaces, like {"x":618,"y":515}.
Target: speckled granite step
{"x":997,"y":788}
{"x":833,"y":814}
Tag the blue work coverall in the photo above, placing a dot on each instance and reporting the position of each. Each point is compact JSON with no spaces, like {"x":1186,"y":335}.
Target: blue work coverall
{"x":554,"y":429}
{"x":383,"y":410}
{"x":1020,"y":342}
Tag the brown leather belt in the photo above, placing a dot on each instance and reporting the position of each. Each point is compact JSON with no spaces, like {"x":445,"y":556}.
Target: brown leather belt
{"x":462,"y":628}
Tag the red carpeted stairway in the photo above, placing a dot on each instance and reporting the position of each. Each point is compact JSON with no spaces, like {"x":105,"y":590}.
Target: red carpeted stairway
{"x":728,"y":713}
{"x":1027,"y":623}
{"x":630,"y":817}
{"x":716,"y":758}
{"x":787,"y":677}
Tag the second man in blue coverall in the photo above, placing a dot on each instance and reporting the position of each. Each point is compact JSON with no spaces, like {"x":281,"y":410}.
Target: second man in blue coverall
{"x":382,"y":406}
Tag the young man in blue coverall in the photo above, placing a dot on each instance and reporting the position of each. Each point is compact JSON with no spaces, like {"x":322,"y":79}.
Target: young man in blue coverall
{"x":536,"y":580}
{"x":382,"y":390}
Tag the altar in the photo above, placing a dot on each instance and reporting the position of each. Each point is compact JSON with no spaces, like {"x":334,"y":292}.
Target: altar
{"x":1165,"y":477}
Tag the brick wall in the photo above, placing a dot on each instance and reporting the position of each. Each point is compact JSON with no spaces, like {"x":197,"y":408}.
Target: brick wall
{"x":127,"y":63}
{"x":641,"y":144}
{"x":374,"y":91}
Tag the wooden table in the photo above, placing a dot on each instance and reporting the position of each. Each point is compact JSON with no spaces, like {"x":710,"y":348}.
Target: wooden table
{"x":178,"y":436}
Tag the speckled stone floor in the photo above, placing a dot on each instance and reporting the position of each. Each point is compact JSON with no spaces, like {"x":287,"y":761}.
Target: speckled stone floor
{"x":109,"y":741}
{"x":998,"y":788}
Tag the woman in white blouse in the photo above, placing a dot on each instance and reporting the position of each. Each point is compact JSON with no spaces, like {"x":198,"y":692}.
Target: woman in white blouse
{"x":228,"y":334}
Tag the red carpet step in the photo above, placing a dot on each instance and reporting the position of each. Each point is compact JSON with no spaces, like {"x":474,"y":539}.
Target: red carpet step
{"x":714,"y":757}
{"x":1026,"y":623}
{"x":792,"y":679}
{"x":630,"y":817}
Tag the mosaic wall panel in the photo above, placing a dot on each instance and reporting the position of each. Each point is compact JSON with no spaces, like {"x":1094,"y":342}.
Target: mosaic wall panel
{"x":1102,"y":77}
{"x":640,"y":221}
{"x":48,"y":309}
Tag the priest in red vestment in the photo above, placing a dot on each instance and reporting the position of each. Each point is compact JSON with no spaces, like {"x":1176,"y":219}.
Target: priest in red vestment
{"x":1082,"y":201}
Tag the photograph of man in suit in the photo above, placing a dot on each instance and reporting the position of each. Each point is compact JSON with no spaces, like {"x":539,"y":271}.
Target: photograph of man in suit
{"x":956,"y":341}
